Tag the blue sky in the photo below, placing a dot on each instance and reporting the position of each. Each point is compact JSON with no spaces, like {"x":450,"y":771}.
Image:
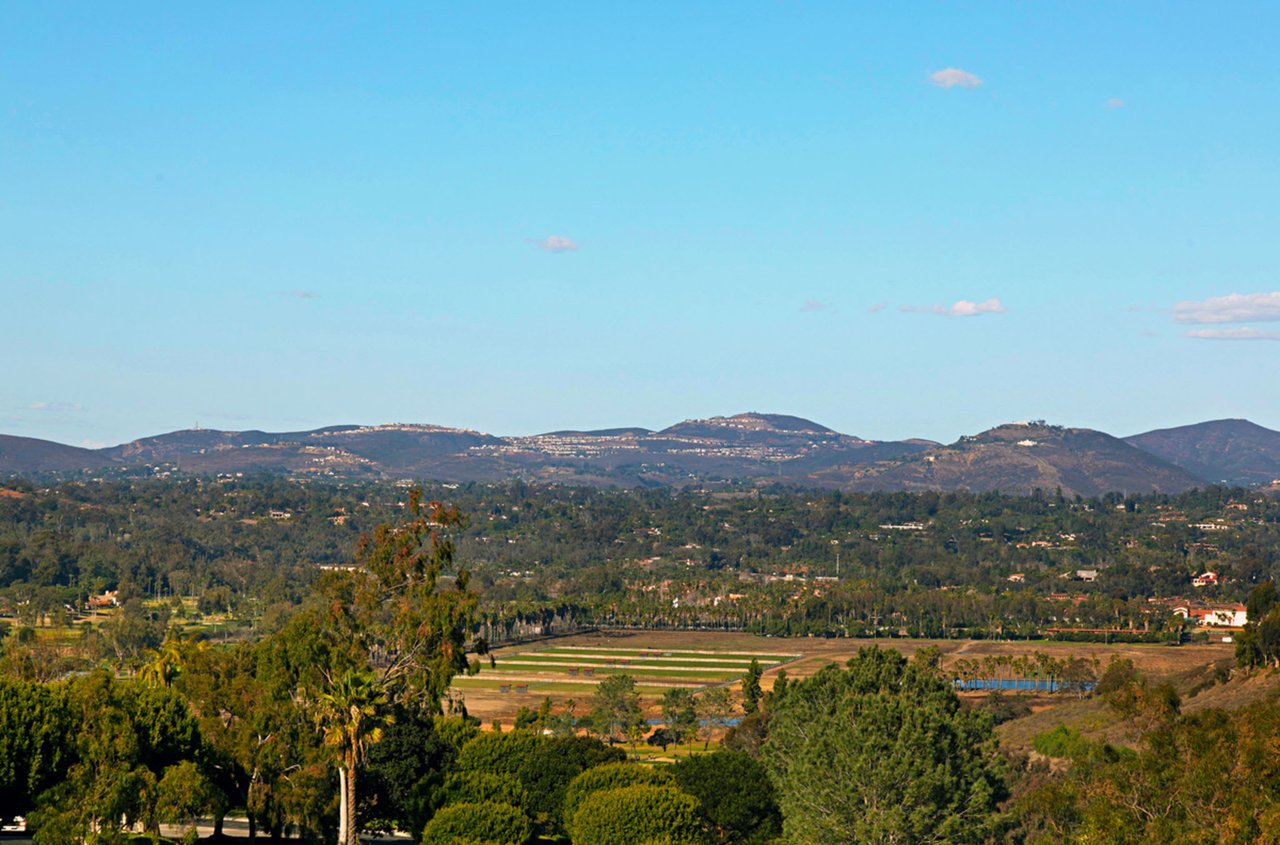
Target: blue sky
{"x":904,"y":219}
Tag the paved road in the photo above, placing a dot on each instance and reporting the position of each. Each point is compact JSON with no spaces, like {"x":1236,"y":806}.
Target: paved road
{"x":233,"y":827}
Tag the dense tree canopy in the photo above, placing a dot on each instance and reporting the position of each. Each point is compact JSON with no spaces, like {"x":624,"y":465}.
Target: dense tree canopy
{"x":248,"y":551}
{"x":881,"y":751}
{"x":35,"y":732}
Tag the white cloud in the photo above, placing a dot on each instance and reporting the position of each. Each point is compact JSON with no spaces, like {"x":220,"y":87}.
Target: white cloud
{"x":557,"y":243}
{"x":1235,"y":308}
{"x":961,"y":308}
{"x":877,"y":308}
{"x":88,"y":443}
{"x":811,"y":305}
{"x":964,"y":308}
{"x":1114,"y":103}
{"x":1237,"y":333}
{"x":56,"y":407}
{"x":954,"y":78}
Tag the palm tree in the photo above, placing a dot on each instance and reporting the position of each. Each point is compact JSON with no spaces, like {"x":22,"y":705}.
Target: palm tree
{"x":167,"y":662}
{"x":350,"y":715}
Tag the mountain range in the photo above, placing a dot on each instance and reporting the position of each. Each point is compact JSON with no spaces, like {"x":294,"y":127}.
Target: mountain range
{"x":1013,"y":458}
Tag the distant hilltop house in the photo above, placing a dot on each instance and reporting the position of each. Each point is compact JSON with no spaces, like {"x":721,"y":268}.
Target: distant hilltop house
{"x":1205,"y":579}
{"x":1017,"y":578}
{"x":1211,"y":526}
{"x":1216,"y":615}
{"x":109,"y":598}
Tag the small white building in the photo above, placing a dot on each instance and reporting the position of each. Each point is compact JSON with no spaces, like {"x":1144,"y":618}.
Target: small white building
{"x":1215,"y":616}
{"x":1227,"y":616}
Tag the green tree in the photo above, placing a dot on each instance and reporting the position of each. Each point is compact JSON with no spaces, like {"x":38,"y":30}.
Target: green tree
{"x":391,"y":614}
{"x":263,"y":750}
{"x":129,"y":633}
{"x":735,"y":794}
{"x":548,"y":768}
{"x":126,"y":736}
{"x":638,"y":815}
{"x":1259,"y":643}
{"x":680,"y":712}
{"x":615,"y":708}
{"x":164,"y":664}
{"x":780,"y":684}
{"x":881,"y":751}
{"x":404,"y":774}
{"x":749,"y":735}
{"x":351,"y":716}
{"x":36,"y":736}
{"x":1171,"y":789}
{"x":1262,"y":600}
{"x":715,"y":711}
{"x":184,"y":794}
{"x":394,"y":610}
{"x":751,"y":691}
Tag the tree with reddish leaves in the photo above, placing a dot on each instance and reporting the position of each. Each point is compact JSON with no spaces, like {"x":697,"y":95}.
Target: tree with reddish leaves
{"x":398,"y":621}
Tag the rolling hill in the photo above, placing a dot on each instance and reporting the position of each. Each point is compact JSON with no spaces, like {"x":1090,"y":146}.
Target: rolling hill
{"x":750,"y":447}
{"x":1220,"y":451}
{"x":1020,"y":458}
{"x":22,"y":455}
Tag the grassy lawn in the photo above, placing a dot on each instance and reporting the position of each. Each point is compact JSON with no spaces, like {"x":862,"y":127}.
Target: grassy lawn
{"x":569,"y":687}
{"x":708,"y":674}
{"x":728,"y":656}
{"x":601,"y":659}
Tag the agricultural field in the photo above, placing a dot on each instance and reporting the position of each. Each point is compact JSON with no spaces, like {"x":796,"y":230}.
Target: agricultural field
{"x":569,"y":668}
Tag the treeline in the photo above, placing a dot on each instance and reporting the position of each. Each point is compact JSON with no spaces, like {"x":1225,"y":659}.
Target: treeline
{"x":557,"y":559}
{"x":844,"y":609}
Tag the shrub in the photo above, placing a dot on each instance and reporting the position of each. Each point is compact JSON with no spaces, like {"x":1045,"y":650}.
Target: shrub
{"x":1063,"y":742}
{"x":638,"y":815}
{"x":610,"y":776}
{"x":485,"y":823}
{"x":483,"y":788}
{"x":497,"y":753}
